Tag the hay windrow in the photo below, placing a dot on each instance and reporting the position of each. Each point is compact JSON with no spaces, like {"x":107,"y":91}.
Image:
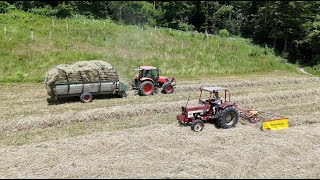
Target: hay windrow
{"x":89,"y":115}
{"x":274,"y":96}
{"x":137,"y":110}
{"x":246,"y":83}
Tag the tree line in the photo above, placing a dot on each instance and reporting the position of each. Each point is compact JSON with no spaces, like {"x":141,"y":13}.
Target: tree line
{"x":292,"y":28}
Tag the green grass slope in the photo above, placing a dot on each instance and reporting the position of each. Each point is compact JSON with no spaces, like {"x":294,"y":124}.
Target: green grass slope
{"x":31,"y":45}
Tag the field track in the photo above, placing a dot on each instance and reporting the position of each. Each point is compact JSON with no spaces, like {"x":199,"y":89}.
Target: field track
{"x":138,"y":137}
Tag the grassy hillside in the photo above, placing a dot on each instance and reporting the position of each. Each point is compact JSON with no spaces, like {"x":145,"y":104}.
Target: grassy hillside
{"x":33,"y":44}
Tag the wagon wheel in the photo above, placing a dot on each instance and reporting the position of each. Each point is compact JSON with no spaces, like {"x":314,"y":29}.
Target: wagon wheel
{"x":146,"y":88}
{"x":122,"y":94}
{"x":197,"y":125}
{"x":168,"y":88}
{"x":86,"y":97}
{"x":52,"y":100}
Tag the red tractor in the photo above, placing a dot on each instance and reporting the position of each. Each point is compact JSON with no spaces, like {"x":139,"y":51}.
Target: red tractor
{"x":148,"y":81}
{"x":224,"y":113}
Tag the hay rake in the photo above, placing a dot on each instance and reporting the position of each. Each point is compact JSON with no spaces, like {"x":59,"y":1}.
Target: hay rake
{"x":254,"y":116}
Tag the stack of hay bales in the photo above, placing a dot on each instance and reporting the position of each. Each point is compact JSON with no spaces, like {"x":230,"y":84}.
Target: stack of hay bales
{"x":80,"y":72}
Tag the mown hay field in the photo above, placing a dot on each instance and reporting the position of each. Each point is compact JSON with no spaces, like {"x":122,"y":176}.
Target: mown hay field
{"x":139,"y":137}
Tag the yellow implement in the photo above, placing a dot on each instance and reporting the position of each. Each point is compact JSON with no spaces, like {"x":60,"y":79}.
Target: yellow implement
{"x":275,"y":124}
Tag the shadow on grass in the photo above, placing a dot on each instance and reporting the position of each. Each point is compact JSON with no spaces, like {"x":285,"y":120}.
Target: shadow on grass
{"x":210,"y":122}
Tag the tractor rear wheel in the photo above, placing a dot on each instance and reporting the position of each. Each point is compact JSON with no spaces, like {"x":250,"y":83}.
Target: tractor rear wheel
{"x":227,"y":118}
{"x":167,"y":88}
{"x":197,"y":125}
{"x":146,"y":88}
{"x":86,"y":97}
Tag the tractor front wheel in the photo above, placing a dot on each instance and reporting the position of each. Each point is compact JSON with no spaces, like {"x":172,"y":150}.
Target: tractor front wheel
{"x":228,"y":117}
{"x":146,"y":88}
{"x":197,"y":125}
{"x":167,"y":88}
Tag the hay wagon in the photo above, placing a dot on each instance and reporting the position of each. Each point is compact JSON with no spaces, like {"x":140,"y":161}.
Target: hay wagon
{"x":84,"y":81}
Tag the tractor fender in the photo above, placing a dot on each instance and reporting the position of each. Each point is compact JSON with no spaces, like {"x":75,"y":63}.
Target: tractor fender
{"x":223,"y":106}
{"x":165,"y":84}
{"x":146,"y":79}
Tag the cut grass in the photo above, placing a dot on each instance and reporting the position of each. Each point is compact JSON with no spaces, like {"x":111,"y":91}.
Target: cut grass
{"x":26,"y":124}
{"x":82,"y":128}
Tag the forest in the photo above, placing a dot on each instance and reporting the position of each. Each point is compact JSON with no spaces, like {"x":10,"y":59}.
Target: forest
{"x":291,"y":28}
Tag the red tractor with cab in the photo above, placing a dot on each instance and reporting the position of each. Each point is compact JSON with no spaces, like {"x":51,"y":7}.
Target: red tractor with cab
{"x":224,"y":112}
{"x":148,"y":81}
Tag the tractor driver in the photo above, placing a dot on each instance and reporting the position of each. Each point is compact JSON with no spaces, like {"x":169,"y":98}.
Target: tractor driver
{"x":146,"y":73}
{"x":215,"y":102}
{"x":149,"y":74}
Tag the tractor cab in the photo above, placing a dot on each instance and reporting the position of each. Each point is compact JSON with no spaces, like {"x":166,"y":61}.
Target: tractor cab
{"x":147,"y":72}
{"x":213,"y":91}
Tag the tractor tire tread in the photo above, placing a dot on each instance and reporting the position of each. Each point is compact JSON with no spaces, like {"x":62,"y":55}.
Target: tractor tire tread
{"x":221,"y":117}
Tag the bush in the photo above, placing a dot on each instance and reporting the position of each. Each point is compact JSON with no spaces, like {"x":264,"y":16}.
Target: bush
{"x":88,"y":14}
{"x":46,"y":11}
{"x":256,"y":52}
{"x":185,"y":26}
{"x":139,"y":12}
{"x":63,"y":10}
{"x":224,"y":33}
{"x":313,"y":70}
{"x":315,"y":59}
{"x":4,"y":7}
{"x":316,"y":68}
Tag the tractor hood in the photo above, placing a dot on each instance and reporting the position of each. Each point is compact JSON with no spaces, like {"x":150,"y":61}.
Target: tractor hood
{"x":189,"y":112}
{"x":193,"y":108}
{"x":163,"y":78}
